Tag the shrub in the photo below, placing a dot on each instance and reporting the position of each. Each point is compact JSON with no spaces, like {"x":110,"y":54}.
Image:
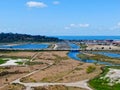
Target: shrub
{"x":90,"y":69}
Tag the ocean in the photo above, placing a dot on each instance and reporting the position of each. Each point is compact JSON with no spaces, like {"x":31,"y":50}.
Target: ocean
{"x":89,"y":37}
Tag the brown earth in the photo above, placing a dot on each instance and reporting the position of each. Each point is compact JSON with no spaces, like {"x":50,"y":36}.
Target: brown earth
{"x":14,"y":87}
{"x":22,"y":54}
{"x":60,"y":87}
{"x":63,"y":69}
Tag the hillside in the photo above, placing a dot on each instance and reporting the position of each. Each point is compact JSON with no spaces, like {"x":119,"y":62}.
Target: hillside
{"x":11,"y":37}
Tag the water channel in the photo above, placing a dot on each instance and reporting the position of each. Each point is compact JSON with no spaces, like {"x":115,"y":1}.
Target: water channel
{"x":74,"y":52}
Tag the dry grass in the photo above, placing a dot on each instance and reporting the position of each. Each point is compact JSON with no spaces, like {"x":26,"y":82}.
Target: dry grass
{"x":13,"y":87}
{"x":56,"y":87}
{"x":22,"y":54}
{"x":63,"y":70}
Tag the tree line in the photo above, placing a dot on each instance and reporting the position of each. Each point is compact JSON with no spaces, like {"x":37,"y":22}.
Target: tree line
{"x":15,"y":37}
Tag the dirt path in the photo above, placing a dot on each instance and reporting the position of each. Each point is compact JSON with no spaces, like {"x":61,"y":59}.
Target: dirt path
{"x":18,"y":80}
{"x":80,"y":84}
{"x":34,"y":56}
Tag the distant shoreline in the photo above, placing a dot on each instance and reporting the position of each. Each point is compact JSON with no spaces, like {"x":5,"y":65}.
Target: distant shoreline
{"x":88,"y":37}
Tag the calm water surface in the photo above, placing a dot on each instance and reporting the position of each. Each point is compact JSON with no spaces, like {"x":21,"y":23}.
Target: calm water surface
{"x":110,"y":54}
{"x":73,"y":54}
{"x":26,"y":46}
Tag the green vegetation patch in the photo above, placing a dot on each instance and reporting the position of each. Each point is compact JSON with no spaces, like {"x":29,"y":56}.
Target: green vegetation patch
{"x":99,"y":57}
{"x":90,"y":69}
{"x":103,"y":84}
{"x":83,"y":56}
{"x":19,"y":63}
{"x":2,"y":61}
{"x":11,"y":37}
{"x":83,"y":46}
{"x":94,"y":57}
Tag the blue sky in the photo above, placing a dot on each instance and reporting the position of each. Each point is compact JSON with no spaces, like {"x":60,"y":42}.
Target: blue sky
{"x":61,"y":17}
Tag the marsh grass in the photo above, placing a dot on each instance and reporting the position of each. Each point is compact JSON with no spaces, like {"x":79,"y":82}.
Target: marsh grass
{"x":99,"y":57}
{"x":2,"y":61}
{"x":90,"y":69}
{"x":103,"y":84}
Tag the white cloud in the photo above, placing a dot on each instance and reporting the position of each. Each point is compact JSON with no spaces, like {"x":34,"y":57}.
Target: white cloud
{"x":56,"y":2}
{"x":84,"y":25}
{"x":77,"y":26}
{"x":117,"y":26}
{"x":36,"y":4}
{"x":67,"y":28}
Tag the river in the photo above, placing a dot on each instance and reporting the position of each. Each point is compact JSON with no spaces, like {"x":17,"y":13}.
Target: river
{"x":74,"y":52}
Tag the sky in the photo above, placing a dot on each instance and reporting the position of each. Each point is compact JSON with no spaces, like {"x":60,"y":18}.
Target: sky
{"x":61,"y":17}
